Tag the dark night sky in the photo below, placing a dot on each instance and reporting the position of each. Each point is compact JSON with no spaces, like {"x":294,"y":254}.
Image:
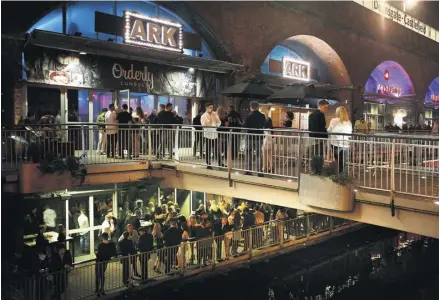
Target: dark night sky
{"x":18,"y":16}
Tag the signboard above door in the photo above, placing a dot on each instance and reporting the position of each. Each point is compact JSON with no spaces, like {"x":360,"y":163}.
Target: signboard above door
{"x":152,"y":32}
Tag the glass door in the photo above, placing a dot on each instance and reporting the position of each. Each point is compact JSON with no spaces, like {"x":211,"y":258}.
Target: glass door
{"x":124,"y":98}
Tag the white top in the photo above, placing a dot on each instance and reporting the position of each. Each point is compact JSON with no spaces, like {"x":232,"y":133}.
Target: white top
{"x":111,"y":118}
{"x":107,"y":227}
{"x":335,"y":126}
{"x":211,"y":120}
{"x":49,"y":216}
{"x":83,"y":223}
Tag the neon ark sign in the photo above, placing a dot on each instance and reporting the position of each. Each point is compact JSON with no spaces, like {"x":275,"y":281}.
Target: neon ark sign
{"x":295,"y":69}
{"x":152,"y":32}
{"x":389,"y":90}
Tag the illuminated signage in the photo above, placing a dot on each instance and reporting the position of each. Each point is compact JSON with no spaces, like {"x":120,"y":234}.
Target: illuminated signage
{"x":386,"y":75}
{"x":152,"y":32}
{"x":132,"y":77}
{"x":384,"y":9}
{"x":295,"y":69}
{"x":389,"y":90}
{"x":434,"y":98}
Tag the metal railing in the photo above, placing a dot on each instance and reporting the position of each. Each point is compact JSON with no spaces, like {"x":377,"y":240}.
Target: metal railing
{"x":124,"y":272}
{"x":397,"y":163}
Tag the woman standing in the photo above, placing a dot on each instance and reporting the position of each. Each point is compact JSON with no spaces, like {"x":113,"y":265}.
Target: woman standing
{"x":340,"y":143}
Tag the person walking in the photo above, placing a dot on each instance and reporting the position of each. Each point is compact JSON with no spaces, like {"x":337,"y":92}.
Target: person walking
{"x":255,"y":121}
{"x":211,"y":121}
{"x":111,"y":128}
{"x":102,"y":142}
{"x":317,"y":126}
{"x":340,"y":143}
{"x":106,"y":250}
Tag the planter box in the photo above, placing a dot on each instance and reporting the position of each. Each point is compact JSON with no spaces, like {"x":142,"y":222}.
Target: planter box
{"x":33,"y":181}
{"x":324,"y":193}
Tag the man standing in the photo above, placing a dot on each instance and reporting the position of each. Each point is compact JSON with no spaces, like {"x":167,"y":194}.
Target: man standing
{"x":255,"y":120}
{"x":317,"y":126}
{"x":198,"y":142}
{"x":125,"y":135}
{"x":235,"y":121}
{"x":171,"y":238}
{"x":166,"y":118}
{"x":111,"y":128}
{"x":127,"y":249}
{"x":145,"y":244}
{"x":49,"y":216}
{"x":106,"y":250}
{"x":100,"y":120}
{"x":211,"y":120}
{"x":84,"y":236}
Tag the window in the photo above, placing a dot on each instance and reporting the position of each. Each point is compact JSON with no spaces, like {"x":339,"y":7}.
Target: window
{"x":101,"y":100}
{"x":197,"y":200}
{"x":77,"y":106}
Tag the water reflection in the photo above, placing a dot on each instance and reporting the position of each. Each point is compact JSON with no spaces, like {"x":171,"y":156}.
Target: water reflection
{"x":332,"y":278}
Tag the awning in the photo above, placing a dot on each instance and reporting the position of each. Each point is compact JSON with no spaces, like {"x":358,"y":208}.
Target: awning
{"x":130,"y":52}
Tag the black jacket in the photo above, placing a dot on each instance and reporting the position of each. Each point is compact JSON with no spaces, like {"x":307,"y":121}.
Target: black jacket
{"x":255,"y":120}
{"x":126,"y":247}
{"x":166,"y":117}
{"x":106,"y":251}
{"x":145,"y":242}
{"x":197,"y":122}
{"x":234,"y":119}
{"x":172,"y":237}
{"x":58,"y":263}
{"x":317,"y":123}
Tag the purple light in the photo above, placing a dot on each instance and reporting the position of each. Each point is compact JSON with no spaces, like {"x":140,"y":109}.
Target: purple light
{"x":398,"y":83}
{"x":432,"y":96}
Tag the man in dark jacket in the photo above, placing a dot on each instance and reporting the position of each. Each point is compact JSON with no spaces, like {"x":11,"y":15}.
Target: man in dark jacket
{"x":125,"y":134}
{"x":166,"y":118}
{"x":255,"y":120}
{"x":171,"y":238}
{"x":248,"y":221}
{"x":126,"y":248}
{"x":106,"y":250}
{"x":234,"y":120}
{"x":317,"y":126}
{"x":198,"y":143}
{"x":61,"y":262}
{"x":145,"y":244}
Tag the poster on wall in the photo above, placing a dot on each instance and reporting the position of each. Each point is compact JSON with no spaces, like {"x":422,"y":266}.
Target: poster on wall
{"x":64,"y":68}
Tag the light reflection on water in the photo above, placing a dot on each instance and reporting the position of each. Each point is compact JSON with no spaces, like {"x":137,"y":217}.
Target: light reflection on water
{"x":335,"y":276}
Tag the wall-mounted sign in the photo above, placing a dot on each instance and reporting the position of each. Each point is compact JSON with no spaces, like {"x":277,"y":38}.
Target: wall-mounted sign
{"x":64,"y":68}
{"x":389,"y":90}
{"x":152,"y":32}
{"x":434,"y":99}
{"x":295,"y":69}
{"x":386,"y":10}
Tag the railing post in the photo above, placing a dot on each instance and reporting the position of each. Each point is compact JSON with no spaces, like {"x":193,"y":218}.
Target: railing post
{"x":149,"y":145}
{"x":66,"y":287}
{"x":281,"y":233}
{"x":183,"y":257}
{"x":308,"y":226}
{"x":331,"y":224}
{"x":392,"y":179}
{"x":299,"y":160}
{"x":250,"y":243}
{"x":213,"y":254}
{"x":176,"y":146}
{"x":229,"y":157}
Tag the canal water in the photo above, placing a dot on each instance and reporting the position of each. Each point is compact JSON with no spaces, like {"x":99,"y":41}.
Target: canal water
{"x":369,"y":263}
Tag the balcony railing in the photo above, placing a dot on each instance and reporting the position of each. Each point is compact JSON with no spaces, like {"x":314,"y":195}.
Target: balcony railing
{"x":399,"y":163}
{"x":87,"y":280}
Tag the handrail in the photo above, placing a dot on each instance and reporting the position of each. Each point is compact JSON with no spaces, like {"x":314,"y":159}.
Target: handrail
{"x":204,"y":254}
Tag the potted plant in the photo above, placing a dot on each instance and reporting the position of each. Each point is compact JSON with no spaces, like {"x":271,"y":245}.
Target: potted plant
{"x":52,"y":173}
{"x":325,"y":188}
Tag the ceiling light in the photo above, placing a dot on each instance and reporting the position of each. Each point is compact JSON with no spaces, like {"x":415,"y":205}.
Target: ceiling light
{"x":82,"y":53}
